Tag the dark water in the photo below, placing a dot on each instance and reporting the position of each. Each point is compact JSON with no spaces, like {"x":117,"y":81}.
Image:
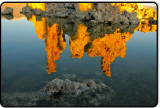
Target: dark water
{"x":133,"y":66}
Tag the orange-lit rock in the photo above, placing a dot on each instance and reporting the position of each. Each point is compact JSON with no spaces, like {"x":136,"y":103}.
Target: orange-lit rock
{"x":109,"y":47}
{"x":80,"y":40}
{"x":37,"y":6}
{"x":142,"y":12}
{"x":52,"y":48}
{"x":146,"y":27}
{"x":85,"y":6}
{"x":53,"y":39}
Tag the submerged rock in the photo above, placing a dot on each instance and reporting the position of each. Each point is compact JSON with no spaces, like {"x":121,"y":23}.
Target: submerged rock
{"x":64,"y":92}
{"x":54,"y":86}
{"x":8,"y":11}
{"x":70,"y":87}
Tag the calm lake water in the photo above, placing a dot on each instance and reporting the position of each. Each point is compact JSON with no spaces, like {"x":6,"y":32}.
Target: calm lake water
{"x":36,"y":51}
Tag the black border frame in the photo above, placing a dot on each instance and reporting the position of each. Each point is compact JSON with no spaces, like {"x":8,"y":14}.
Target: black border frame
{"x":90,"y":2}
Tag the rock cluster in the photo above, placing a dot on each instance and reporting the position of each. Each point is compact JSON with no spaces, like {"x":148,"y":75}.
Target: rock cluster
{"x":69,"y":87}
{"x":95,"y":30}
{"x":100,"y":13}
{"x":8,"y":13}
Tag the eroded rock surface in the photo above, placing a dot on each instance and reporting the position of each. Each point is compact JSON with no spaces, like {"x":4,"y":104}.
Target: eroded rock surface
{"x":100,"y":13}
{"x":70,"y":87}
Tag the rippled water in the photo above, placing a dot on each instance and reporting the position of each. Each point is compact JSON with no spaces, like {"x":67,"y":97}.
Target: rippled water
{"x":37,"y":50}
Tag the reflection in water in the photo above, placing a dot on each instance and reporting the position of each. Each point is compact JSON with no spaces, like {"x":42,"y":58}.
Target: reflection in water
{"x":53,"y":39}
{"x":142,"y":12}
{"x":80,"y":40}
{"x":40,"y":26}
{"x":104,"y":41}
{"x":17,"y":7}
{"x":146,"y":27}
{"x":108,"y":47}
{"x":54,"y":46}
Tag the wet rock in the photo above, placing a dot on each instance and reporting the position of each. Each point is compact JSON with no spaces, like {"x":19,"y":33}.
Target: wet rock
{"x":61,"y":14}
{"x":54,"y":86}
{"x":74,"y":94}
{"x":93,"y":21}
{"x":8,"y":11}
{"x":132,"y":17}
{"x":27,"y":10}
{"x":134,"y":22}
{"x":123,"y":20}
{"x":91,"y":84}
{"x":69,"y":5}
{"x":67,"y":87}
{"x":70,"y":87}
{"x":101,"y":87}
{"x":38,"y":12}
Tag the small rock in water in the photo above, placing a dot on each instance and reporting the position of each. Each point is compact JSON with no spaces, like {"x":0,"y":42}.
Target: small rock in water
{"x":8,"y":11}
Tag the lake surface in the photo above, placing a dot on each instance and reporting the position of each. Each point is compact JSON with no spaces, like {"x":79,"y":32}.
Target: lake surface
{"x":38,"y":50}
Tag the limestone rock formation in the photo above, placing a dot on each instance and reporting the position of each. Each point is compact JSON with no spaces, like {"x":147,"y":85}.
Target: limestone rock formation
{"x":27,"y":11}
{"x":95,"y":13}
{"x":70,"y":87}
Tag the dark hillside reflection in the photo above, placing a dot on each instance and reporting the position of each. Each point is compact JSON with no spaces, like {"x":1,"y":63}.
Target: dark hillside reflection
{"x":105,"y":41}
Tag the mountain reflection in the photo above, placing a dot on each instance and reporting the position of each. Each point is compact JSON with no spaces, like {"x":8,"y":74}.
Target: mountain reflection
{"x":107,"y":43}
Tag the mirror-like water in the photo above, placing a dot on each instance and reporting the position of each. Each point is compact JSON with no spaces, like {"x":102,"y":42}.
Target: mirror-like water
{"x":37,"y":50}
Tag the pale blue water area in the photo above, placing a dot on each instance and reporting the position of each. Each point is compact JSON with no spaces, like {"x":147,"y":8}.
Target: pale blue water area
{"x":24,"y":60}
